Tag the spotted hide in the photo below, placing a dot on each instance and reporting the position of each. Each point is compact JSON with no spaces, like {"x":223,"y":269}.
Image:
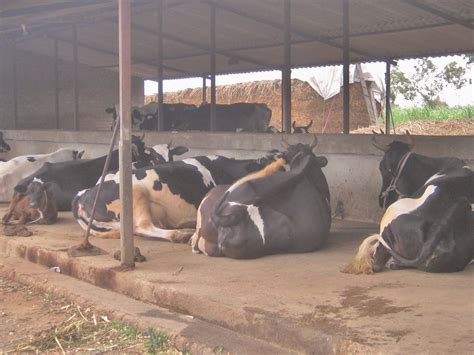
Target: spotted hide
{"x":165,"y":197}
{"x":268,"y":212}
{"x":14,"y":170}
{"x":431,"y":231}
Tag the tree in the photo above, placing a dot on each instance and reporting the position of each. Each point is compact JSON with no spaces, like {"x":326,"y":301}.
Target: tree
{"x":428,"y":81}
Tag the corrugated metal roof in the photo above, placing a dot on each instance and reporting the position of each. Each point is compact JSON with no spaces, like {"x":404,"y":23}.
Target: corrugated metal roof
{"x":249,"y":33}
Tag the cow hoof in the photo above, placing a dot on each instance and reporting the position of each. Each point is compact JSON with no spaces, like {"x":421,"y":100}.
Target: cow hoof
{"x":137,"y":256}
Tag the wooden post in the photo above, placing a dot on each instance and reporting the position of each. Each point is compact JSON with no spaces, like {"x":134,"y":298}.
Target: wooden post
{"x":56,"y":85}
{"x":15,"y":88}
{"x":75,"y":83}
{"x":161,"y":111}
{"x":125,"y":145}
{"x":213,"y":113}
{"x":345,"y":70}
{"x":286,"y":71}
{"x":387,"y":97}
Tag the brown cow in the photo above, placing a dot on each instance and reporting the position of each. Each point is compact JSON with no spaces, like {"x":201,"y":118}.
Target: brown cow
{"x":37,"y":205}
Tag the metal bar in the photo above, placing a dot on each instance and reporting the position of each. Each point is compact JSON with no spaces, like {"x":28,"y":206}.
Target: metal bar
{"x":204,"y":89}
{"x":56,"y":85}
{"x":15,"y":88}
{"x":212,"y":20}
{"x":161,"y":112}
{"x":75,"y":81}
{"x":441,"y":14}
{"x":101,"y":180}
{"x":387,"y":97}
{"x":286,"y":72}
{"x":125,"y":146}
{"x":345,"y":70}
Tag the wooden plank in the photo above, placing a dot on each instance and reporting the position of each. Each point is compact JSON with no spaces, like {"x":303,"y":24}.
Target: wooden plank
{"x":345,"y":70}
{"x":388,"y":109}
{"x":286,"y":71}
{"x":15,"y":88}
{"x":212,"y":22}
{"x":75,"y":79}
{"x":125,"y":145}
{"x":56,"y":85}
{"x":159,"y":25}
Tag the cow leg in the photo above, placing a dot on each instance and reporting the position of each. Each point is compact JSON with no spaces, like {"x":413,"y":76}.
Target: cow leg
{"x":143,"y":220}
{"x":113,"y":234}
{"x":11,"y":207}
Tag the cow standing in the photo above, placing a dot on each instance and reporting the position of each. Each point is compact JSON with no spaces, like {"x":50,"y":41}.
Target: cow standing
{"x":165,"y":197}
{"x":429,"y":222}
{"x":268,"y":212}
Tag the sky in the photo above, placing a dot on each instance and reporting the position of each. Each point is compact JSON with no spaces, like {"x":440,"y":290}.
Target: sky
{"x":462,"y":97}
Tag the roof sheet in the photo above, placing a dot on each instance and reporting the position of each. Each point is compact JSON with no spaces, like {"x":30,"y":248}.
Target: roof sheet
{"x":249,"y":33}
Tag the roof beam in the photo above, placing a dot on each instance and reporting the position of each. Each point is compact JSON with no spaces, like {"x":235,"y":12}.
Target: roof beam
{"x":113,"y":53}
{"x":277,"y":25}
{"x":440,"y":13}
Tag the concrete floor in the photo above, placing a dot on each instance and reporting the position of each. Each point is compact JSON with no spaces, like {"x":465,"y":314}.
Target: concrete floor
{"x":300,"y":302}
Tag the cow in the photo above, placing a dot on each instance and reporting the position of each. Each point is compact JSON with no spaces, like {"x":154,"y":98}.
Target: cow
{"x":68,"y":178}
{"x":20,"y":167}
{"x":432,"y":230}
{"x":301,"y":129}
{"x":4,"y":147}
{"x":238,"y":117}
{"x":165,"y":197}
{"x":37,"y":205}
{"x":268,"y":212}
{"x":146,"y":117}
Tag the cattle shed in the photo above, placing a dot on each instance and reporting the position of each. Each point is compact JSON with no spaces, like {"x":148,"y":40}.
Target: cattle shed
{"x":62,"y":62}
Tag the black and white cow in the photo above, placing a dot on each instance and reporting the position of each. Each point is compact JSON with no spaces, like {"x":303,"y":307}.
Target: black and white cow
{"x":301,"y":129}
{"x":4,"y":147}
{"x":268,"y":212}
{"x":238,"y":117}
{"x":429,"y":222}
{"x":165,"y":197}
{"x":70,"y":177}
{"x":20,"y":167}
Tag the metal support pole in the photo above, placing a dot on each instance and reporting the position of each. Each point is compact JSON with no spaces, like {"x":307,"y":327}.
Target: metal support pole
{"x":161,"y":111}
{"x":286,"y":71}
{"x":125,"y":145}
{"x":15,"y":88}
{"x":204,"y":89}
{"x":56,"y":85}
{"x":345,"y":70}
{"x":387,"y":97}
{"x":75,"y":79}
{"x":213,"y":116}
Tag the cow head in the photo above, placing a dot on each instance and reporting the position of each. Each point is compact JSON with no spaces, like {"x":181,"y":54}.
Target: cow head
{"x":301,"y":129}
{"x":39,"y":194}
{"x":4,"y":147}
{"x":390,"y":166}
{"x":163,"y":153}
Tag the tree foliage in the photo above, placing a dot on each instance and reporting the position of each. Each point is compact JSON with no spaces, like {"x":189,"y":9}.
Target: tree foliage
{"x":428,"y":81}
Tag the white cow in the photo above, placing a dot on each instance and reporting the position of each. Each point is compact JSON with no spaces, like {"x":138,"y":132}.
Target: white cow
{"x":20,"y":167}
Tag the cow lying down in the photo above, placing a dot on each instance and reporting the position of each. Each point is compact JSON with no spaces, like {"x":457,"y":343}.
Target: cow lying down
{"x":432,"y":230}
{"x":268,"y":212}
{"x":37,"y":205}
{"x":165,"y":197}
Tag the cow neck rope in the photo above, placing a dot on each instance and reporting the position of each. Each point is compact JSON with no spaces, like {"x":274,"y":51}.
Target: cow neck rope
{"x":39,"y":210}
{"x":393,"y":183}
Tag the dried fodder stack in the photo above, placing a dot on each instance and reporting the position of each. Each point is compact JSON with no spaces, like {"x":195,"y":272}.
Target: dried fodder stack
{"x":306,"y":104}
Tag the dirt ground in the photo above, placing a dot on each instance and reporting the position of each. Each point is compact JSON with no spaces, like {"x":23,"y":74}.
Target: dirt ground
{"x":32,"y":320}
{"x":429,"y":128}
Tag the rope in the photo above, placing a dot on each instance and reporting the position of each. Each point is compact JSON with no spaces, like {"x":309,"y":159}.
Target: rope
{"x":393,"y":183}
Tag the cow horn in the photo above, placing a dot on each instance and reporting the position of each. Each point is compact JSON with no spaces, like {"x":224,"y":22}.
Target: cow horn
{"x":383,"y":147}
{"x":309,"y":125}
{"x":284,"y":142}
{"x":410,"y":141}
{"x":315,"y":142}
{"x":381,"y":131}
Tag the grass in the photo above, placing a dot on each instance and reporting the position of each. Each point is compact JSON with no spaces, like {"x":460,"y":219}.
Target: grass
{"x":401,"y":115}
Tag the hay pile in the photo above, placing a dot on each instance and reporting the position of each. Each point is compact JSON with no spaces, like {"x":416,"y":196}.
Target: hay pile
{"x":431,"y":128}
{"x":306,"y":103}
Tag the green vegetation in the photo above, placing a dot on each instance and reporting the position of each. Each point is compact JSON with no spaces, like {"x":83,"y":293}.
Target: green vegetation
{"x":438,"y":113}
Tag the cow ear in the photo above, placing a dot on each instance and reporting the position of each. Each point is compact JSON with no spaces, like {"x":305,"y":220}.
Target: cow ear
{"x":48,"y":186}
{"x":180,"y":150}
{"x":322,"y":161}
{"x":78,"y":155}
{"x":21,"y":189}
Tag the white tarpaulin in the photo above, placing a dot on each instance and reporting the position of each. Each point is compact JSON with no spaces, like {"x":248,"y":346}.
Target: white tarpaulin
{"x":327,"y":81}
